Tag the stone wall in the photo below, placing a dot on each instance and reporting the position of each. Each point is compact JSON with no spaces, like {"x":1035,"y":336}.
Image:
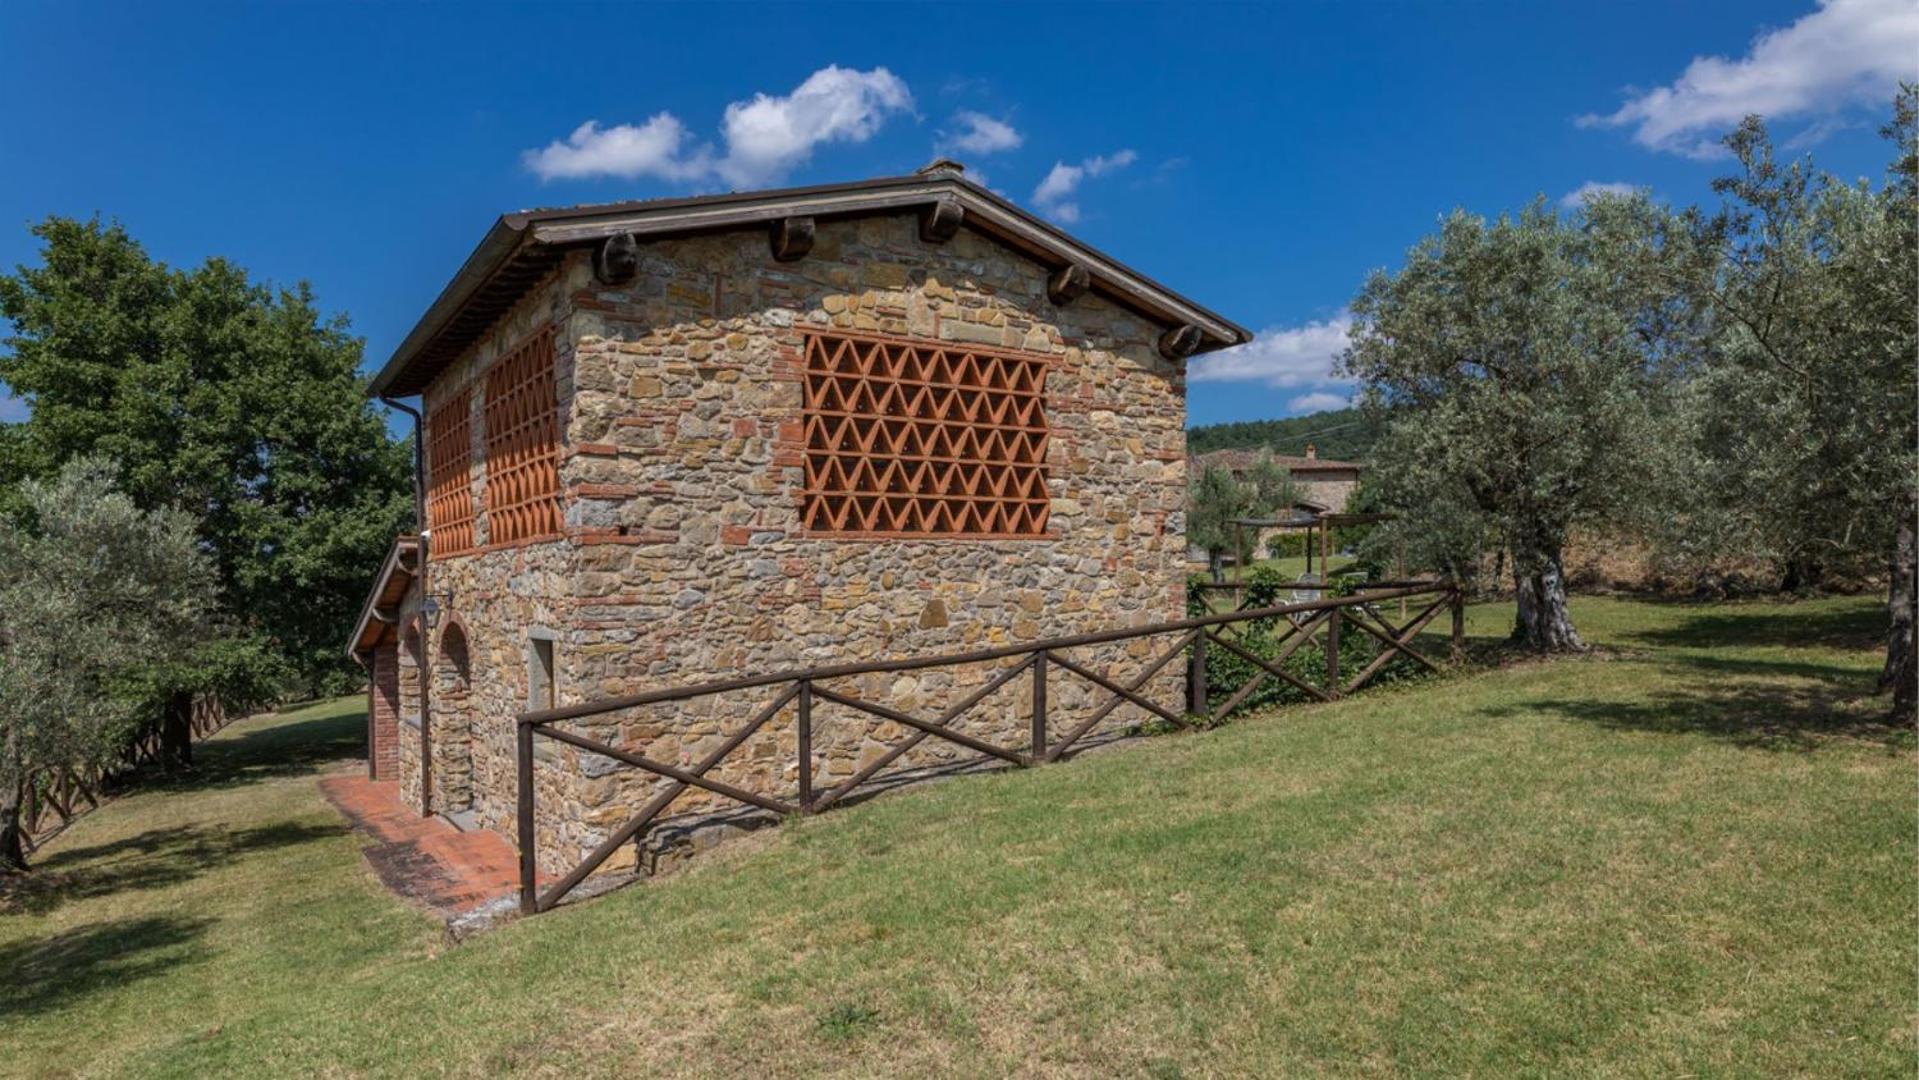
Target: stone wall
{"x":408,"y":760}
{"x":409,"y":654}
{"x":497,"y":595}
{"x":1329,"y":489}
{"x":685,"y":560}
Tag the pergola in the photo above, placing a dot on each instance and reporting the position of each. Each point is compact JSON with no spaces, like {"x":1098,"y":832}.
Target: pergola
{"x":1309,"y":519}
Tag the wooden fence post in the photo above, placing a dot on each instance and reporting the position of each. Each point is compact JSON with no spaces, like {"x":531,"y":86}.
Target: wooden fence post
{"x":1332,"y":651}
{"x":529,"y":859}
{"x":1039,"y":707}
{"x":1459,"y":622}
{"x":806,"y":745}
{"x":1197,"y":679}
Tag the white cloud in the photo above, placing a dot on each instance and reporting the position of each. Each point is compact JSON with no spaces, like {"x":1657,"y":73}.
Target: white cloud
{"x":770,"y":136}
{"x":13,"y":410}
{"x":1054,"y":195}
{"x":1283,"y":357}
{"x":651,"y":149}
{"x":766,"y":137}
{"x":1578,"y":196}
{"x":1847,"y":53}
{"x":980,"y":134}
{"x":1319,"y":401}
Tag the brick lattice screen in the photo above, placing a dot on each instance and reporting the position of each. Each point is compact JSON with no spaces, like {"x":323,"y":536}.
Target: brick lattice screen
{"x":450,"y":508}
{"x":907,"y":438}
{"x":523,"y":445}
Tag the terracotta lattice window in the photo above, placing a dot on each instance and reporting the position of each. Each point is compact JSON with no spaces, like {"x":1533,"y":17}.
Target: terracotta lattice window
{"x":907,"y":438}
{"x":450,"y":508}
{"x":523,"y":445}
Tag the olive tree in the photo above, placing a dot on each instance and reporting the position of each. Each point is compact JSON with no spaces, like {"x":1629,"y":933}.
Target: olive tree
{"x":93,"y":590}
{"x":1513,"y":364}
{"x":1216,"y":498}
{"x":1804,"y":422}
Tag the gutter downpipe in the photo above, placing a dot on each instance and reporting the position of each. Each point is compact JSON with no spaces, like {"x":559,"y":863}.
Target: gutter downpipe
{"x":426,"y":543}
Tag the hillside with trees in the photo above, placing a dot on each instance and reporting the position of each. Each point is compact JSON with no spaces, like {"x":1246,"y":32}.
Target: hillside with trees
{"x":1341,"y":434}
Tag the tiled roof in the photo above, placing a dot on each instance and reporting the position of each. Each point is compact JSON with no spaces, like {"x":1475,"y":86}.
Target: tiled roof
{"x":522,"y":248}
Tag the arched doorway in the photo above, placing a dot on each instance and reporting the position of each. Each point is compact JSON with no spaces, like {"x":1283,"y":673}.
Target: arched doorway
{"x":452,"y":721}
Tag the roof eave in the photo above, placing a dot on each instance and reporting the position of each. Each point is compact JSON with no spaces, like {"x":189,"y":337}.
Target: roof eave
{"x":369,"y":611}
{"x":493,"y":251}
{"x":559,"y":229}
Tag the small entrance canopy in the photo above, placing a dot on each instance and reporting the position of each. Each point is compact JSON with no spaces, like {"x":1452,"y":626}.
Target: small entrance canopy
{"x":382,"y":606}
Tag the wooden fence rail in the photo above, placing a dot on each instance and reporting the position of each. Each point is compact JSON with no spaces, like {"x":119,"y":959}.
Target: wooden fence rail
{"x":52,"y":797}
{"x":1322,"y":620}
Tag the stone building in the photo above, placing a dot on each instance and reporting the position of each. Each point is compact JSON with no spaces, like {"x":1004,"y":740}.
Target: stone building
{"x":675,"y":440}
{"x":1325,"y":485}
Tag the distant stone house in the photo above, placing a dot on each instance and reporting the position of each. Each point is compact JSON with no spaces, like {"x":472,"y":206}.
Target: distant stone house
{"x":674,"y":440}
{"x":1324,"y":485}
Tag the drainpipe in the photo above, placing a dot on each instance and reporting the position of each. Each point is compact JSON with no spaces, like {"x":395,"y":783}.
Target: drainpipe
{"x":426,"y":540}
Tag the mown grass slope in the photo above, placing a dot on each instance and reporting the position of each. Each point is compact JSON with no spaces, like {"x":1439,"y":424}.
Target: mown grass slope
{"x":1694,"y":855}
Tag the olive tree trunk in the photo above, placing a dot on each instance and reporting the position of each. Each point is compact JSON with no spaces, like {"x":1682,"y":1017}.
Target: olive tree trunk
{"x":1539,"y":583}
{"x":1901,"y":673}
{"x":176,"y":732}
{"x":13,"y":849}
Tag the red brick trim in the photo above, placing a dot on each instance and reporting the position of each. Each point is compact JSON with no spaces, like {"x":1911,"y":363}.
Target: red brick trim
{"x":603,"y":491}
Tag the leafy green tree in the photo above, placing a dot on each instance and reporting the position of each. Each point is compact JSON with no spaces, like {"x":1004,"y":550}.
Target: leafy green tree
{"x":1436,"y":528}
{"x":1512,"y":364}
{"x":1804,"y":428}
{"x":1882,"y":275}
{"x":237,"y":403}
{"x":93,"y":589}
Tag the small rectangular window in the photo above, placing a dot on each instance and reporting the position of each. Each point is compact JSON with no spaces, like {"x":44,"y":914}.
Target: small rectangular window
{"x":540,"y":693}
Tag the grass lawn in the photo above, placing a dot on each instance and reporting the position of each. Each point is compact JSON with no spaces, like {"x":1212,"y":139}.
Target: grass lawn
{"x":1291,"y":566}
{"x":1694,"y":856}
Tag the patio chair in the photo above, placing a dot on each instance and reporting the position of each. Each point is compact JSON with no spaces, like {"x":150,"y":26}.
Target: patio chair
{"x":1306,"y":589}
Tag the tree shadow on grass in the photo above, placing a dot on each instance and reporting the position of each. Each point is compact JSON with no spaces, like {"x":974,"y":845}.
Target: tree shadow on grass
{"x":40,"y":974}
{"x":1764,"y":704}
{"x":270,"y":752}
{"x":153,"y":859}
{"x":1732,"y":626}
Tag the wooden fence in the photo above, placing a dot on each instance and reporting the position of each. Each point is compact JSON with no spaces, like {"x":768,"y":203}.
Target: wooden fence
{"x":1295,"y":626}
{"x":52,"y":798}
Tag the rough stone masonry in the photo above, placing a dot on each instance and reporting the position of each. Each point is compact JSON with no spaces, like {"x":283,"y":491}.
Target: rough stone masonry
{"x":684,"y":558}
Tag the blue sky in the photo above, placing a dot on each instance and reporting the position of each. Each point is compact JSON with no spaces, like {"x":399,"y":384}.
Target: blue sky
{"x":1261,"y":159}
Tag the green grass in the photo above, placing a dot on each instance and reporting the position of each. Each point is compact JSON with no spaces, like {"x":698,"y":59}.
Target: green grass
{"x":1291,"y":566}
{"x":1693,"y":855}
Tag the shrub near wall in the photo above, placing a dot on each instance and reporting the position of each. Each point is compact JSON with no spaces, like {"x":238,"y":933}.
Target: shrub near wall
{"x":1266,"y":587}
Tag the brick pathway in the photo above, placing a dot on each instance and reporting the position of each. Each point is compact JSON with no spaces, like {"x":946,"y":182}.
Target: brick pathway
{"x":425,"y":859}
